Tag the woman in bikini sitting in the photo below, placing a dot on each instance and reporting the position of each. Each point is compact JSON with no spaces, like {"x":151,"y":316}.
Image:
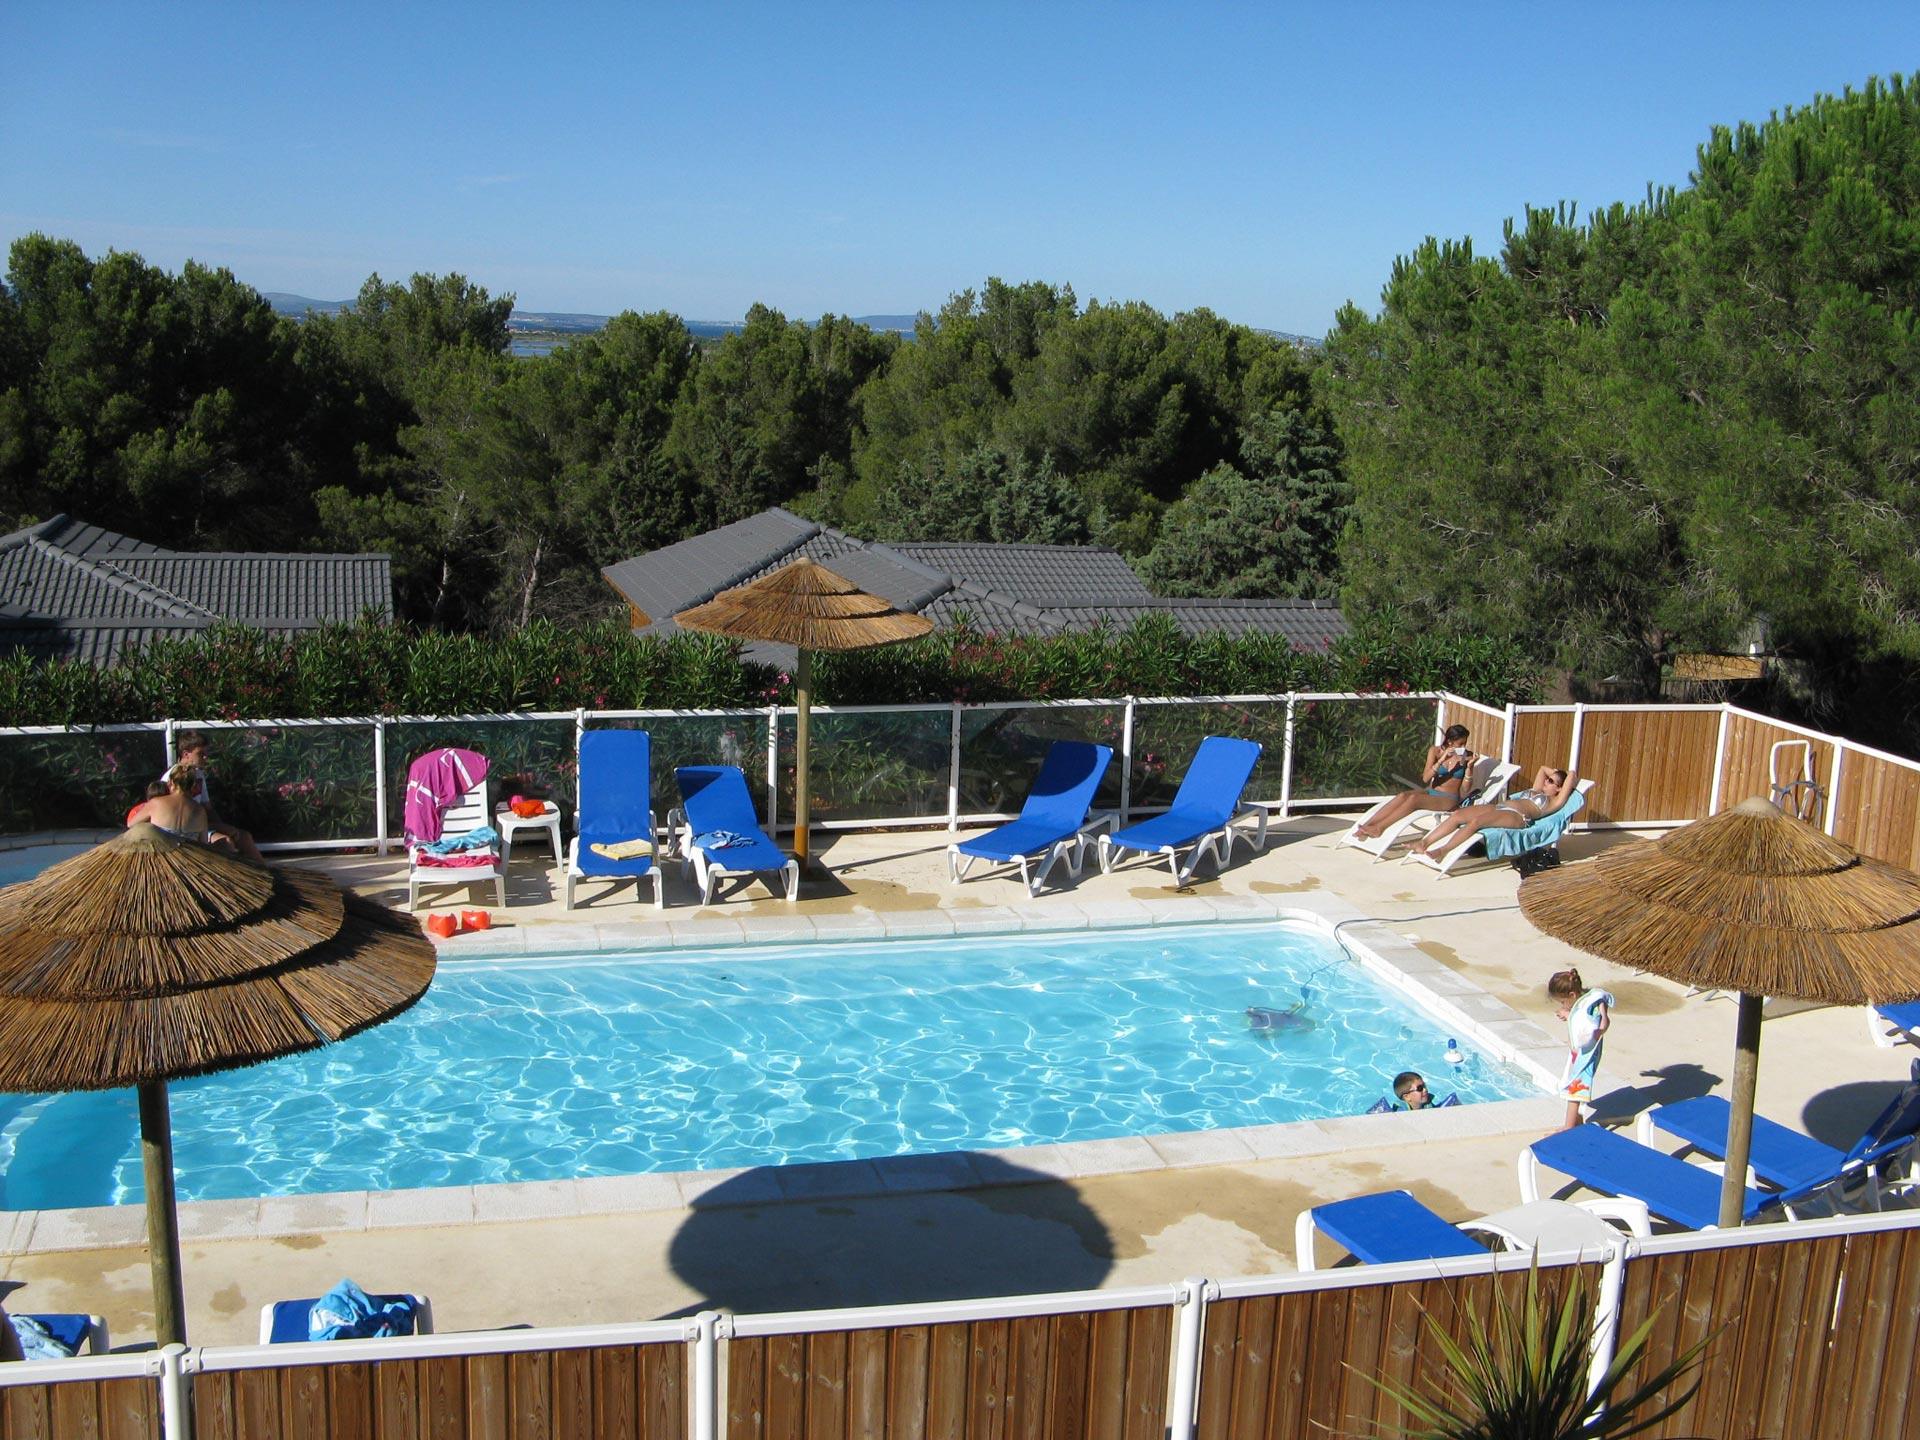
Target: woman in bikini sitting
{"x":1549,"y":792}
{"x":1445,"y":778}
{"x":177,"y":812}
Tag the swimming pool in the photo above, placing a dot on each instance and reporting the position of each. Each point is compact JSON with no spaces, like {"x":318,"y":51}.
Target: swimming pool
{"x":29,"y":860}
{"x":538,"y":1070}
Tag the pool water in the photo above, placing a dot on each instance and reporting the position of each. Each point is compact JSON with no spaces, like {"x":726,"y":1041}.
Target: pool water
{"x":537,"y":1070}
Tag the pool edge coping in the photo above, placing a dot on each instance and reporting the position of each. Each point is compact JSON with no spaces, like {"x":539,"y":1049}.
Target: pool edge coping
{"x":1389,"y":957}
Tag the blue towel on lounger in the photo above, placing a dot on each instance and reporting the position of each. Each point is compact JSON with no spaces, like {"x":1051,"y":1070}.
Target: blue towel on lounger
{"x":1505,"y":844}
{"x":483,"y":837}
{"x":37,"y":1342}
{"x":347,"y":1312}
{"x":722,"y":840}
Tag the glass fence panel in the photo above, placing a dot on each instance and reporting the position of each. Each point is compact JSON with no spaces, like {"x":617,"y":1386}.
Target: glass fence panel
{"x":1001,"y":751}
{"x":81,"y":780}
{"x":293,"y":783}
{"x":737,"y":739}
{"x":534,"y":758}
{"x":892,"y":765}
{"x":1165,"y":737}
{"x":1352,"y":747}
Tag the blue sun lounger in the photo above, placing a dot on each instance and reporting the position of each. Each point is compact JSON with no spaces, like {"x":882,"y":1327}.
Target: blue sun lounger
{"x":724,"y":837}
{"x":80,"y":1334}
{"x":1204,"y":812}
{"x":284,"y":1322}
{"x":1393,"y":1226}
{"x":616,"y":806}
{"x":1782,"y":1156}
{"x":1052,"y":825}
{"x":1686,"y":1194}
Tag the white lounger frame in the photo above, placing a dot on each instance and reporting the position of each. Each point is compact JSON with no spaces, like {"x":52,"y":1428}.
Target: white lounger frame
{"x":1073,"y":850}
{"x":1444,"y":865}
{"x":661,"y":849}
{"x":1218,"y":843}
{"x":1493,"y":776}
{"x":469,"y":812}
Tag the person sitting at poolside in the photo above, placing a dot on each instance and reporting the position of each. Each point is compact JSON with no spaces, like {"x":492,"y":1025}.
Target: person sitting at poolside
{"x":1550,"y":790}
{"x":177,"y":812}
{"x":155,"y":789}
{"x":1444,"y":780}
{"x":194,"y":750}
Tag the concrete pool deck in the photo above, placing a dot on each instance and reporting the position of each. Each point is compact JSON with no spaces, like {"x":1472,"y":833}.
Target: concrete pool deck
{"x":1096,"y":1215}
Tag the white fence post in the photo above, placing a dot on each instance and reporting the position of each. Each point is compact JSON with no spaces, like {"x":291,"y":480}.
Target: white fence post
{"x":1579,"y":723}
{"x":1190,"y":1333}
{"x":773,"y":770}
{"x":1126,"y":763}
{"x":1833,"y":785}
{"x":1506,"y":736}
{"x":1606,"y":1315}
{"x":379,"y":785}
{"x":1286,"y":763}
{"x":1719,"y":757}
{"x":176,"y":1397}
{"x":953,"y":773}
{"x":706,"y":1371}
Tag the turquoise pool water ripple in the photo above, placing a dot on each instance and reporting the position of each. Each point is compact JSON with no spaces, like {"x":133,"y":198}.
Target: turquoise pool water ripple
{"x":544,"y":1070}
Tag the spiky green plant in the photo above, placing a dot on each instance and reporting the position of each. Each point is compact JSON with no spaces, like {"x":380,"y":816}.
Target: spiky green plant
{"x":1521,"y":1373}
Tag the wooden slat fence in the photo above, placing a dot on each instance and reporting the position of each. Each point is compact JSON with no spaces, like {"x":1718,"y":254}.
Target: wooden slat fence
{"x":1877,"y":809}
{"x":617,"y":1392}
{"x":1809,"y":1337}
{"x":1486,"y":732}
{"x":1657,"y":766}
{"x":1295,"y":1366}
{"x":127,"y":1409}
{"x":1099,"y":1375}
{"x":1744,"y":768}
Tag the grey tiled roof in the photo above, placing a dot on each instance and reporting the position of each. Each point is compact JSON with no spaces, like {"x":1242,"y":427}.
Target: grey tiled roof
{"x":1006,"y":589}
{"x":1040,"y":574}
{"x":1306,"y":624}
{"x":76,"y":590}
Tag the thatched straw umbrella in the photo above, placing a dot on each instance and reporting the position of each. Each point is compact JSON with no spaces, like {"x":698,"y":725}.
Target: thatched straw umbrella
{"x":1751,"y":900}
{"x":150,"y":957}
{"x":811,"y":608}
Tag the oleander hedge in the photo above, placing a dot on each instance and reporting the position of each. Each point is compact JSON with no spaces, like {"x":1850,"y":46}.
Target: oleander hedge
{"x":235,"y":673}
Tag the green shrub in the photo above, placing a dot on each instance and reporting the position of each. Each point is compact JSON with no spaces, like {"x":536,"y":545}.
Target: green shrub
{"x":236,"y":673}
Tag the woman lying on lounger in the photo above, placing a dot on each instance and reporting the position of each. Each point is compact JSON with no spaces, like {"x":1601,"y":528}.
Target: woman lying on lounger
{"x":1445,"y":781}
{"x":1551,"y":787}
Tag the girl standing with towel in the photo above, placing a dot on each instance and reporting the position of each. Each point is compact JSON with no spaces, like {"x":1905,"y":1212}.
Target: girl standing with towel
{"x":1588,"y":1013}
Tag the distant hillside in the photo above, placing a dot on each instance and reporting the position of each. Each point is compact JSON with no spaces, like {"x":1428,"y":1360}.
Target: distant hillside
{"x":549,"y":322}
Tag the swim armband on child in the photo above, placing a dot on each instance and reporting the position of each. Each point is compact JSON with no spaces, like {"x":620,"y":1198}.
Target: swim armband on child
{"x":1387,"y":1105}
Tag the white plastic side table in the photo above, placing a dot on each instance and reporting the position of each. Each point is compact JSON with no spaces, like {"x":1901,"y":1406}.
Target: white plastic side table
{"x":508,"y":823}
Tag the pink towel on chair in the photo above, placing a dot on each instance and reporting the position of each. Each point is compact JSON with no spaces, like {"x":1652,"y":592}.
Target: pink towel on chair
{"x":435,"y":781}
{"x":463,"y":860}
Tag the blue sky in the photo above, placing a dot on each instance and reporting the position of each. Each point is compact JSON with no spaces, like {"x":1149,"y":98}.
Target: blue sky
{"x":1266,"y":161}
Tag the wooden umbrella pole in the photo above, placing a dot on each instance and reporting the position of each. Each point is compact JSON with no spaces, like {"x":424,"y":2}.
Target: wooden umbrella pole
{"x":803,"y":700}
{"x":1746,"y":1068}
{"x":163,"y":1222}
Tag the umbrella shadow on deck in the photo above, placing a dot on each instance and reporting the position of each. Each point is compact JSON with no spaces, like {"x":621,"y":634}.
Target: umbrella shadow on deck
{"x":1669,"y":1084}
{"x":775,"y":1238}
{"x":1838,"y":1114}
